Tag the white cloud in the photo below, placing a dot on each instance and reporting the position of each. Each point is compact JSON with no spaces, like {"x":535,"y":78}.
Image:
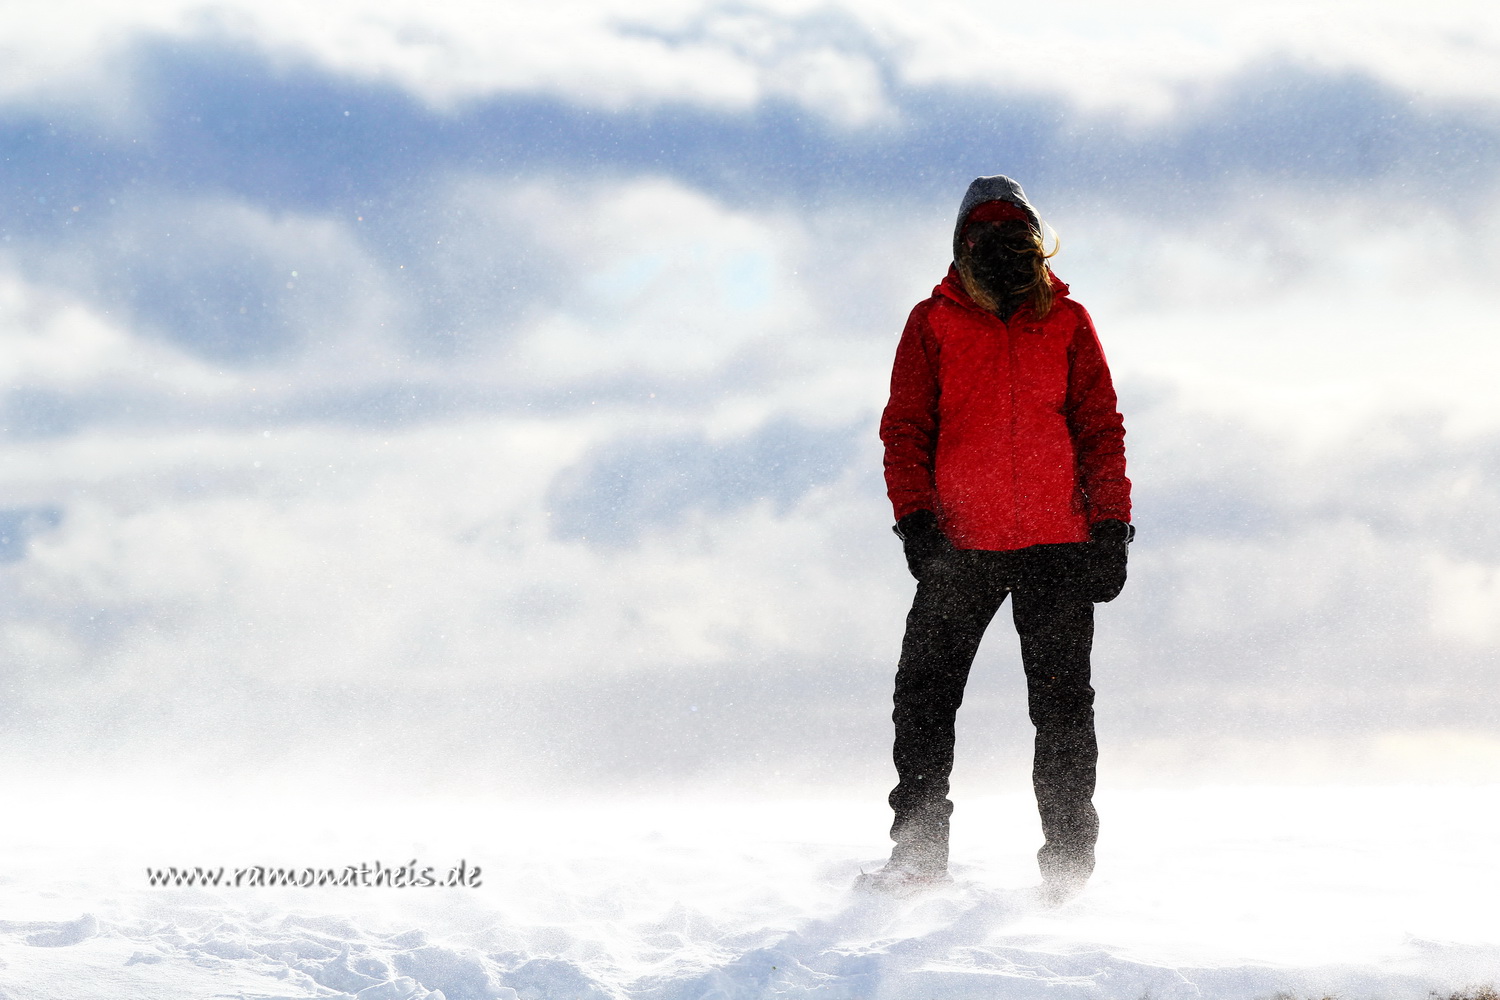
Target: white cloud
{"x":49,"y":341}
{"x":228,"y":278}
{"x":426,"y":555}
{"x":661,"y":280}
{"x":826,"y":57}
{"x":1150,"y":59}
{"x":1313,"y":315}
{"x":1465,"y":600}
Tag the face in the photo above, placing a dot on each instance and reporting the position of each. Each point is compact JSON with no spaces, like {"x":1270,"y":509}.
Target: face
{"x":1001,"y":256}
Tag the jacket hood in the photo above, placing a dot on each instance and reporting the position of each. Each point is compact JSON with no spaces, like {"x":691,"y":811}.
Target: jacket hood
{"x":995,"y":188}
{"x":952,"y":287}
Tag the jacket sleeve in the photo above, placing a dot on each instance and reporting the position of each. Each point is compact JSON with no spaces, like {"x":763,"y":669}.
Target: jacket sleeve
{"x":1096,"y":426}
{"x":909,"y":426}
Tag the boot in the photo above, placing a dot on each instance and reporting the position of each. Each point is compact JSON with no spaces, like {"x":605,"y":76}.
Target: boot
{"x":1064,"y":874}
{"x":912,"y":868}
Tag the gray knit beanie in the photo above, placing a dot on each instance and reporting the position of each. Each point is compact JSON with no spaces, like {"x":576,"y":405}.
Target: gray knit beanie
{"x":996,"y":188}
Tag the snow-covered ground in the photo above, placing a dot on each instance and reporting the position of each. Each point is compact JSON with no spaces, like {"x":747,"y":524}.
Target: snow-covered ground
{"x":1233,"y":893}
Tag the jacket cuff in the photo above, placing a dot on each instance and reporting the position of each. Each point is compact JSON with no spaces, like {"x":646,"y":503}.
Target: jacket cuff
{"x":916,"y":523}
{"x":1112,"y":530}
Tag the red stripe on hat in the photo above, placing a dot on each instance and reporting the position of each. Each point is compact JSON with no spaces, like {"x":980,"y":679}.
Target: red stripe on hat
{"x":997,"y":211}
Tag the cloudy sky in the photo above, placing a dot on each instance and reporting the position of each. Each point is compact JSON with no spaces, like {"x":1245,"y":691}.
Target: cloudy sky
{"x":486,"y":395}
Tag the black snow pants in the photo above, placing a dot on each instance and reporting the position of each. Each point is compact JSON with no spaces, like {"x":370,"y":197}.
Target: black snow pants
{"x":955,"y":601}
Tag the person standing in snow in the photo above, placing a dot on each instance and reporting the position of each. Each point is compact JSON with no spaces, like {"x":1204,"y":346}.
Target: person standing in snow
{"x":1005,"y":465}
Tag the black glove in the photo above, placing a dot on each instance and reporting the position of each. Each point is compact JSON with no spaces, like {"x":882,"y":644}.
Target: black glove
{"x":1108,"y":549}
{"x":922,"y":540}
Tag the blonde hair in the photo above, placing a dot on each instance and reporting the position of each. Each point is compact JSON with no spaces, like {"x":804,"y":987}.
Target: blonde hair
{"x":1038,"y":292}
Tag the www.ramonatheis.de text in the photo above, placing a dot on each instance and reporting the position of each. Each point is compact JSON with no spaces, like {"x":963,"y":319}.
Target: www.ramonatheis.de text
{"x":377,"y":875}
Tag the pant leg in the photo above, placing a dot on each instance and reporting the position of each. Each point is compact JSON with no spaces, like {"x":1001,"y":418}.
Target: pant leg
{"x":947,"y":620}
{"x":1057,"y":634}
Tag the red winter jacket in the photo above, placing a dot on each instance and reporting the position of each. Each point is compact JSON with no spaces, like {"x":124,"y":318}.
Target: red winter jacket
{"x":1008,"y":431}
